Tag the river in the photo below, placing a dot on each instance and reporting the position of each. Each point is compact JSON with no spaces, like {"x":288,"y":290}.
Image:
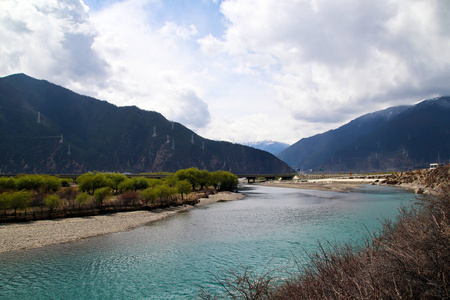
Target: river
{"x":176,"y":257}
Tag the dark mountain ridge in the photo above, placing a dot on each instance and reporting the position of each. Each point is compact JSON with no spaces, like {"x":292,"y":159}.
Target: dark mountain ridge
{"x":46,"y":128}
{"x":397,"y":138}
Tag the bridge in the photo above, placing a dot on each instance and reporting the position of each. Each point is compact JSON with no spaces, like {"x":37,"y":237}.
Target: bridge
{"x":252,"y":177}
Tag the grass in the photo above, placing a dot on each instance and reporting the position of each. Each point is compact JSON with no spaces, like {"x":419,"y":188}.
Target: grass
{"x":408,"y":259}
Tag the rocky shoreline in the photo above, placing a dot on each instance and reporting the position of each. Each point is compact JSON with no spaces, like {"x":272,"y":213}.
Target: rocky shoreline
{"x":422,"y":181}
{"x":36,"y":234}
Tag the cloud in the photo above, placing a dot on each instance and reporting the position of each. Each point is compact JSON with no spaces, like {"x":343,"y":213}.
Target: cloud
{"x":335,"y":59}
{"x":171,"y":29}
{"x":49,"y":39}
{"x":152,"y":65}
{"x":190,"y":110}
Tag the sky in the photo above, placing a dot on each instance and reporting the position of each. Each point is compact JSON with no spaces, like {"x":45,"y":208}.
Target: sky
{"x":236,"y":70}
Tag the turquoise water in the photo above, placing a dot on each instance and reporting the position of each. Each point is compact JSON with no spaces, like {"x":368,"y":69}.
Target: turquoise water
{"x":176,"y":257}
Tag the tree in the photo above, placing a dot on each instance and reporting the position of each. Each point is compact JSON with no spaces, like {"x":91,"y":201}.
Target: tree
{"x":149,"y":195}
{"x":89,"y":182}
{"x":101,"y":194}
{"x":82,"y":199}
{"x":192,"y":175}
{"x":52,"y":202}
{"x":100,"y":181}
{"x":140,"y":183}
{"x":20,"y":200}
{"x":29,"y":182}
{"x":116,"y":179}
{"x":183,"y":187}
{"x":164,"y":192}
{"x":7,"y":183}
{"x":171,"y":181}
{"x":85,"y":182}
{"x":50,"y":184}
{"x":153,"y":182}
{"x":214,"y":179}
{"x":5,"y":201}
{"x":126,"y":185}
{"x":203,"y":178}
{"x":228,"y":181}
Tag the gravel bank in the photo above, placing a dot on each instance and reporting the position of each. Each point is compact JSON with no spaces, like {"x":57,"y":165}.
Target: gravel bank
{"x":329,"y":184}
{"x":48,"y":232}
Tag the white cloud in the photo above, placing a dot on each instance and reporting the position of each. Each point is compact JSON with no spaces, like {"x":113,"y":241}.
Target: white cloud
{"x":210,"y":45}
{"x":171,"y":29}
{"x":49,"y":39}
{"x":337,"y":59}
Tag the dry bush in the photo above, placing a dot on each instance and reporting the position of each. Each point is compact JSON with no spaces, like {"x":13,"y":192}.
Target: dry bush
{"x":128,"y":198}
{"x":410,"y":259}
{"x":244,"y":283}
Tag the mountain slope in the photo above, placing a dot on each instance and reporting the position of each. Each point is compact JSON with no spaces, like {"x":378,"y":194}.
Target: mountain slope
{"x":97,"y":135}
{"x":397,"y":138}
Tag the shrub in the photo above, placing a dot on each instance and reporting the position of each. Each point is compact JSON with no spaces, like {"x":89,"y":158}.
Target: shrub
{"x":129,"y":197}
{"x":409,"y":259}
{"x":65,"y":182}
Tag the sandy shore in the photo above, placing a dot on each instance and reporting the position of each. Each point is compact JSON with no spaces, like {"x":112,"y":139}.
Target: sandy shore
{"x":48,"y":232}
{"x":329,"y":184}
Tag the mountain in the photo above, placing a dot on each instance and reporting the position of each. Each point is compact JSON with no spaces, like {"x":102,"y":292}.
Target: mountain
{"x":397,"y":138}
{"x":46,"y":128}
{"x":269,"y":146}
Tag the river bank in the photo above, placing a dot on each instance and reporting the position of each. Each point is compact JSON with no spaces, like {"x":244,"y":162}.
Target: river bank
{"x":328,"y":184}
{"x":43,"y":233}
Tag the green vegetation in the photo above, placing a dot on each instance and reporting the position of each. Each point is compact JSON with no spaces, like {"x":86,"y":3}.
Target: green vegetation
{"x":102,"y":194}
{"x":82,"y":199}
{"x":18,"y":201}
{"x":224,"y":181}
{"x":52,"y":202}
{"x":96,"y":192}
{"x":409,"y":259}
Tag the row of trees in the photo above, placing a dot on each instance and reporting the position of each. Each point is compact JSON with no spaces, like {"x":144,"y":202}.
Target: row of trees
{"x":40,"y":184}
{"x":198,"y":180}
{"x":94,"y":189}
